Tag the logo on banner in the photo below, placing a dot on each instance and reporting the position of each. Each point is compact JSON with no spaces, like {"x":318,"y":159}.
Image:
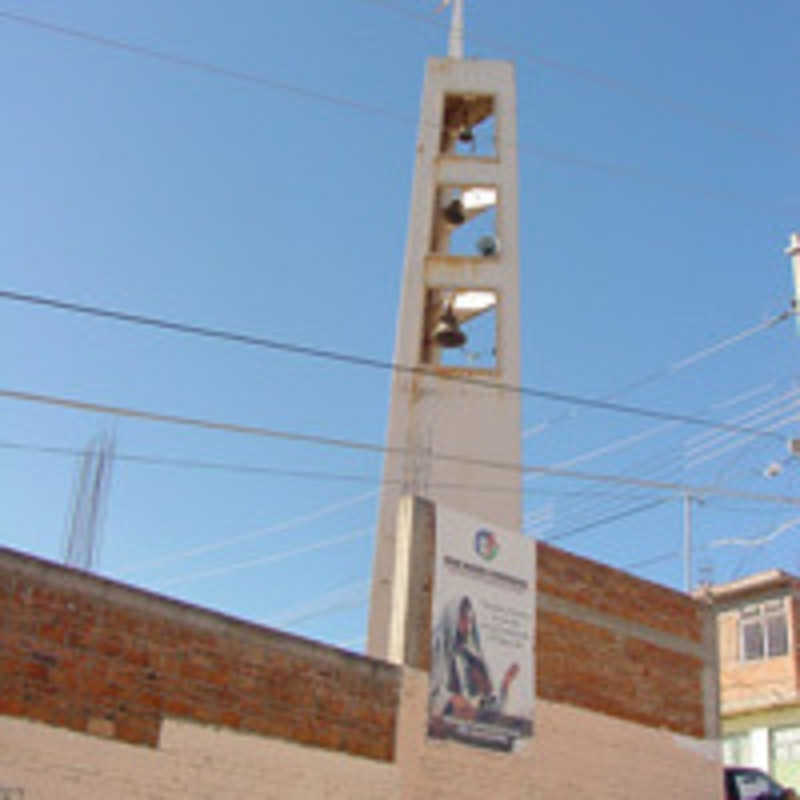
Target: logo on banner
{"x":486,"y":544}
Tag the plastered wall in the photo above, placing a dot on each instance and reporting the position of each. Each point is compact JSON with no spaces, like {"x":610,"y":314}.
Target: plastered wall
{"x":576,"y":753}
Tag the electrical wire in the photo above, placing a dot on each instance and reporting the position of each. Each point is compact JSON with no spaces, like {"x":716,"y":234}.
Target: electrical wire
{"x":220,"y":544}
{"x":264,"y":82}
{"x":606,"y":520}
{"x":261,"y":81}
{"x":364,"y":361}
{"x":312,"y":609}
{"x":316,"y":475}
{"x":350,"y":444}
{"x":202,"y":66}
{"x":361,"y":533}
{"x":596,"y":78}
{"x":672,"y":368}
{"x":664,"y":461}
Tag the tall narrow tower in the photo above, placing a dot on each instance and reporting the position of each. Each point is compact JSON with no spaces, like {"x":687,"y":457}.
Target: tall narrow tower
{"x":459,"y":312}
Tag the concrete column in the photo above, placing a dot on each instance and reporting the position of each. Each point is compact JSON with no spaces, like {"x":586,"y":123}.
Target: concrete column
{"x":429,"y":416}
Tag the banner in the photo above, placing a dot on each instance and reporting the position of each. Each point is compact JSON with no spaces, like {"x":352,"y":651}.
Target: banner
{"x":482,"y":660}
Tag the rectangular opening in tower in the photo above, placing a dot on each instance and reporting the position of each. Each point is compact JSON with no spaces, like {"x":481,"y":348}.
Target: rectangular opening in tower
{"x":461,"y":329}
{"x":465,"y":222}
{"x":468,"y":126}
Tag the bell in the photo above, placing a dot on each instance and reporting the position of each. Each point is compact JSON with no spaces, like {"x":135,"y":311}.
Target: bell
{"x":454,"y":212}
{"x":446,"y":332}
{"x":465,"y":135}
{"x":487,"y":245}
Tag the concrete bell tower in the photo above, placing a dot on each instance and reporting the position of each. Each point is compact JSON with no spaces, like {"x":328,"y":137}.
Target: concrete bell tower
{"x":459,"y":313}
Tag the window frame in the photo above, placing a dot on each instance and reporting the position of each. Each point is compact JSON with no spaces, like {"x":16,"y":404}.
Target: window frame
{"x":759,"y":616}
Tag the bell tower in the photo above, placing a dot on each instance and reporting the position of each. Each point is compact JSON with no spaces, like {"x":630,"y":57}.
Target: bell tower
{"x":459,"y":313}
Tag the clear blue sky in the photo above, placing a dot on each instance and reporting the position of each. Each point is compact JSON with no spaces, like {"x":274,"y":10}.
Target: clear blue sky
{"x":659,"y":184}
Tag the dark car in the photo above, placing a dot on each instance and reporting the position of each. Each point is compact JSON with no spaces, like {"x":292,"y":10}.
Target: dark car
{"x":748,"y":783}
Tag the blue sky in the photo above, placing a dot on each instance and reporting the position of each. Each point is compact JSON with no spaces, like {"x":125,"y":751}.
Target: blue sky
{"x":658,"y":160}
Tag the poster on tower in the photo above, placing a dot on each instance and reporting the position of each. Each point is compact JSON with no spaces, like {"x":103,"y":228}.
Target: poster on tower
{"x":482,"y":661}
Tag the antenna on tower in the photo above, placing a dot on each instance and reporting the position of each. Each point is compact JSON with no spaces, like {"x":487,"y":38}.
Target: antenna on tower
{"x":89,"y":500}
{"x":455,"y":43}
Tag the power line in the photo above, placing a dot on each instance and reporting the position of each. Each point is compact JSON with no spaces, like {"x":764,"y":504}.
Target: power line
{"x":280,"y":527}
{"x":265,"y":82}
{"x":262,"y":81}
{"x":374,"y":363}
{"x":637,"y":466}
{"x":350,"y":444}
{"x":361,"y":533}
{"x":201,"y":66}
{"x":612,"y":518}
{"x":597,"y":78}
{"x":252,"y":469}
{"x":672,"y":368}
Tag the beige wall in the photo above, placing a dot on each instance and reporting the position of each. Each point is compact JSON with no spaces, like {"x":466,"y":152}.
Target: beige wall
{"x":574,"y":753}
{"x":752,"y":685}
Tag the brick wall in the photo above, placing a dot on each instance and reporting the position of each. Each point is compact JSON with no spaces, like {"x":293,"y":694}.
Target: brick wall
{"x":605,"y":640}
{"x":620,"y":594}
{"x":190,"y":703}
{"x":610,"y":642}
{"x":93,"y":656}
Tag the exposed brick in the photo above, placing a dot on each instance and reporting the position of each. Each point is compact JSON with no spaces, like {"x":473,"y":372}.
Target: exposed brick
{"x":80,"y":649}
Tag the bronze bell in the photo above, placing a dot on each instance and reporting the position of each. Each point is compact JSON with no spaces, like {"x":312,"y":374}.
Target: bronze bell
{"x":447,"y":333}
{"x":487,"y":245}
{"x":454,"y":212}
{"x":465,"y":135}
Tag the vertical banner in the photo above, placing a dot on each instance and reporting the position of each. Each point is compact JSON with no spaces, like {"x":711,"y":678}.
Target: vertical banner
{"x":482,"y":660}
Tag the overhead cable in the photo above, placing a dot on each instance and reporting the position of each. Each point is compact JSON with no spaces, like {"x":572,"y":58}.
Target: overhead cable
{"x":671,"y":369}
{"x":597,"y":78}
{"x":262,"y":81}
{"x":361,"y":533}
{"x":365,"y":361}
{"x":350,"y":444}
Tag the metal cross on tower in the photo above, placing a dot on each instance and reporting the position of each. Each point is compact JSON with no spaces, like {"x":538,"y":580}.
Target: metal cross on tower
{"x":455,"y":45}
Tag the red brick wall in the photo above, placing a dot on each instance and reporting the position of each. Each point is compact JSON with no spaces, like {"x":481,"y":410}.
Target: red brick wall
{"x":644,"y":663}
{"x":87,"y":654}
{"x":611,"y":591}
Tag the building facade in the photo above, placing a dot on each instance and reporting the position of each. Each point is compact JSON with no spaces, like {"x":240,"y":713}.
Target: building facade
{"x":110,"y":691}
{"x":757,"y":631}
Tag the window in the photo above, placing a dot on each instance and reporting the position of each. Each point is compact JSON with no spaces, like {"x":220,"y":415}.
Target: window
{"x":763,"y":631}
{"x":736,"y":749}
{"x":784,"y":747}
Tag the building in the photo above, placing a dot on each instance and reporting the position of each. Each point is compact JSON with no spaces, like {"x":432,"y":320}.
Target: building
{"x":757,"y":622}
{"x":110,"y":691}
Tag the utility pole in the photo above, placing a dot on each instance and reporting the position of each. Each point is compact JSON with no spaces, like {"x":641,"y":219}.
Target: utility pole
{"x":687,"y":542}
{"x":793,"y":251}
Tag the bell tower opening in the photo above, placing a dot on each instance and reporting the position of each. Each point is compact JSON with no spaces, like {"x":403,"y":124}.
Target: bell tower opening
{"x":468,"y":126}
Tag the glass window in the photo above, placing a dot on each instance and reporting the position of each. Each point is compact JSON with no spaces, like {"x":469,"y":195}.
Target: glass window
{"x":777,"y":635}
{"x":736,"y":749}
{"x":785,"y":755}
{"x":763,"y":631}
{"x":752,"y":640}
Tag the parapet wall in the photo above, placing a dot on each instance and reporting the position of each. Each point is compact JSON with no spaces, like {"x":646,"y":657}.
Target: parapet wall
{"x":93,"y":656}
{"x":110,"y":691}
{"x":612,"y":643}
{"x":605,"y":640}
